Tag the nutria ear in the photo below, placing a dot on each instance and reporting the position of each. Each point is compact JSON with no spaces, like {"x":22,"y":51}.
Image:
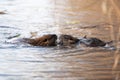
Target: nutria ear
{"x":85,"y":36}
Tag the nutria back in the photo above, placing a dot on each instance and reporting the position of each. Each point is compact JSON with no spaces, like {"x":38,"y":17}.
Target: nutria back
{"x":92,"y":42}
{"x":45,"y":40}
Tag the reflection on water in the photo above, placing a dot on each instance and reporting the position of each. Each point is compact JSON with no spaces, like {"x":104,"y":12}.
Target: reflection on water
{"x":75,"y":17}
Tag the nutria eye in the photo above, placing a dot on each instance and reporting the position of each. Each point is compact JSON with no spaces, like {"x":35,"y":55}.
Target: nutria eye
{"x":45,"y":40}
{"x":71,"y":39}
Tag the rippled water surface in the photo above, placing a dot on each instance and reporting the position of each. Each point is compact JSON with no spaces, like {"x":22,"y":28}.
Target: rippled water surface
{"x":75,"y":17}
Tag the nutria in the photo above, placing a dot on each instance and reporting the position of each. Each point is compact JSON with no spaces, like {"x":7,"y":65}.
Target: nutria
{"x":45,"y":40}
{"x":64,"y":40}
{"x":93,"y":42}
{"x":67,"y":40}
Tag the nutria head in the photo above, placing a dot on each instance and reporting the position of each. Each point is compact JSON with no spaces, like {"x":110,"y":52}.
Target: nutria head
{"x":67,"y":40}
{"x":92,"y":42}
{"x":45,"y":40}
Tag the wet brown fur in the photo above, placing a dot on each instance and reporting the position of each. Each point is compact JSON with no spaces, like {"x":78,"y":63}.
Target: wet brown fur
{"x":45,"y":40}
{"x":67,"y":40}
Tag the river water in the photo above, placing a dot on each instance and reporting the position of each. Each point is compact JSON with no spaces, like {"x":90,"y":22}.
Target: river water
{"x":75,"y":17}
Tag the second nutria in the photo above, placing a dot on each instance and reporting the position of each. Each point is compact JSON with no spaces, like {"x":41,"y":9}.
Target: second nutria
{"x":93,"y":42}
{"x":45,"y":40}
{"x":67,"y":40}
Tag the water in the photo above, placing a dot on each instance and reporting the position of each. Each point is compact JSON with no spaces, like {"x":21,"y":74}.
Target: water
{"x":23,"y":62}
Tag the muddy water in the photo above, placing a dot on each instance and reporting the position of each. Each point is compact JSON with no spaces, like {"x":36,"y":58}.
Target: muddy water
{"x":75,"y":17}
